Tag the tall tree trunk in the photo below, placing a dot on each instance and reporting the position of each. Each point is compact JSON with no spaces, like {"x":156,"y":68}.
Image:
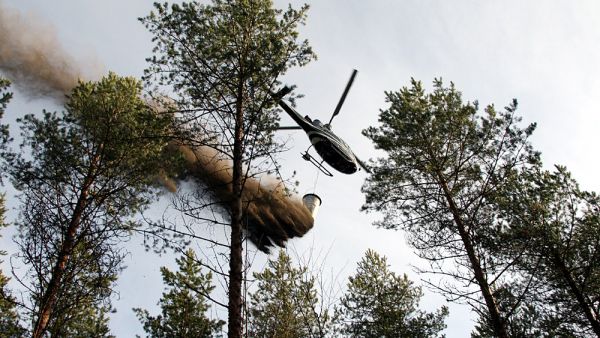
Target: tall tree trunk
{"x":497,"y":322}
{"x":235,"y":259}
{"x":576,"y":291}
{"x":49,"y":297}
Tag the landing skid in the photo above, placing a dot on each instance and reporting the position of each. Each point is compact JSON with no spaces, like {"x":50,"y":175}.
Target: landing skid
{"x":316,"y":163}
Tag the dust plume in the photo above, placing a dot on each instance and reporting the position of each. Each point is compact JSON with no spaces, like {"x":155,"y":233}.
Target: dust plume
{"x":32,"y":57}
{"x":271,"y":217}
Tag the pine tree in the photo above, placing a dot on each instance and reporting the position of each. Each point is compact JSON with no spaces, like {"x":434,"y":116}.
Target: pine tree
{"x":5,"y":97}
{"x":85,"y":173}
{"x":445,"y":163}
{"x":379,"y":303}
{"x":553,"y":227}
{"x":184,"y":304}
{"x":285,"y":303}
{"x":528,"y":318}
{"x":222,"y":60}
{"x":82,"y":321}
{"x":9,"y":319}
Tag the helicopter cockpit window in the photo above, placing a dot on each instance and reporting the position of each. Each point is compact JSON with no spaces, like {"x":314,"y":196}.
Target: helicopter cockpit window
{"x":318,"y":123}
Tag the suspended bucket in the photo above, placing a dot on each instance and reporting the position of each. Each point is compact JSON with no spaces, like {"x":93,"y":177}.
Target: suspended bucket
{"x":312,"y":203}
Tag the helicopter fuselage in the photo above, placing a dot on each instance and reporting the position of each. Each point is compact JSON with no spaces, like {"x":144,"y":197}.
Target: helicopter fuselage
{"x":329,"y":146}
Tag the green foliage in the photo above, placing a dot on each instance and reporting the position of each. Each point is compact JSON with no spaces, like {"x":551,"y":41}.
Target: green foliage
{"x":82,"y":174}
{"x":445,"y":164}
{"x":9,"y":323}
{"x":108,"y":133}
{"x":380,"y":303}
{"x":553,"y":227}
{"x":225,"y":56}
{"x":285,"y":303}
{"x":434,"y":138}
{"x":222,"y":59}
{"x":184,"y":304}
{"x":83,"y":300}
{"x":3,"y":223}
{"x":528,"y":319}
{"x":5,"y":97}
{"x":9,"y":318}
{"x":82,"y":321}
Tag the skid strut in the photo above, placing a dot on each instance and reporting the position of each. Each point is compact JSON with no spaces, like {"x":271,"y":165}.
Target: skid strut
{"x":316,"y":163}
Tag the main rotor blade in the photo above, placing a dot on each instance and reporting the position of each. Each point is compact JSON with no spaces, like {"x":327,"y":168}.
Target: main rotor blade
{"x":343,"y":98}
{"x":289,"y":128}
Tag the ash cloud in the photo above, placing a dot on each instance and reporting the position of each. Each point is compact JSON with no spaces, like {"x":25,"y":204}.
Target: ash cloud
{"x":32,"y":57}
{"x":270,"y":216}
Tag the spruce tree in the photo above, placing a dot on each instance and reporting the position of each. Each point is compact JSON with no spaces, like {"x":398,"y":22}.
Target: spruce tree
{"x":285,"y":303}
{"x":379,"y":303}
{"x":183,"y":304}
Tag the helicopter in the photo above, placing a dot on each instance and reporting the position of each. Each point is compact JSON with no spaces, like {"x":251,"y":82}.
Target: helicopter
{"x":331,"y":148}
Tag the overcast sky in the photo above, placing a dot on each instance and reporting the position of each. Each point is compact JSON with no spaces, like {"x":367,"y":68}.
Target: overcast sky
{"x":544,"y":53}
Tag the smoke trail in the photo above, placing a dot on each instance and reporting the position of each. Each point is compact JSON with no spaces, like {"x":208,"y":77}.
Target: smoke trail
{"x":32,"y":57}
{"x":270,"y":216}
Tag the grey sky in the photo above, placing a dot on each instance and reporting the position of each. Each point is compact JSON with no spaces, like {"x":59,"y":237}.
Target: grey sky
{"x":544,"y":53}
